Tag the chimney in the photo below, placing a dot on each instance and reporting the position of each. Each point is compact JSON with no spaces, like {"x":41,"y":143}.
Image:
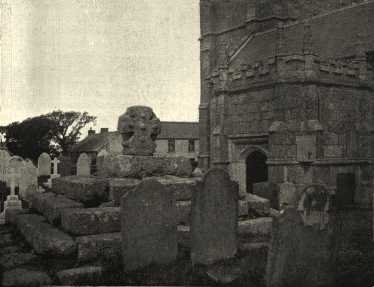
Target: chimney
{"x":104,"y":130}
{"x":91,"y":132}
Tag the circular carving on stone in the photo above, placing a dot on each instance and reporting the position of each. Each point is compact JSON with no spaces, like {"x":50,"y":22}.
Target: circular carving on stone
{"x":314,"y":206}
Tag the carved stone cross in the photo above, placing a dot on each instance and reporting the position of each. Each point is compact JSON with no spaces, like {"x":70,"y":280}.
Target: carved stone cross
{"x":139,"y":128}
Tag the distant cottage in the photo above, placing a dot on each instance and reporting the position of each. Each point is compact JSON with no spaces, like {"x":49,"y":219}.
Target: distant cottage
{"x":176,"y":139}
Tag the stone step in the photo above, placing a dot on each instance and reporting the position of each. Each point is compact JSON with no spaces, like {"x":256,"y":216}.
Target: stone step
{"x":255,"y":230}
{"x":43,"y":237}
{"x":51,"y":205}
{"x":105,"y":246}
{"x":21,"y":277}
{"x":85,"y":275}
{"x":91,"y":191}
{"x":89,"y":221}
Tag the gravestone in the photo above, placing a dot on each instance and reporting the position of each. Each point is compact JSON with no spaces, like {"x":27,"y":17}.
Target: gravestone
{"x":299,"y":255}
{"x":287,"y":192}
{"x":12,"y":200}
{"x":65,"y":168}
{"x":314,"y":206}
{"x":148,"y":225}
{"x":16,"y":164}
{"x":83,"y":165}
{"x":100,"y":160}
{"x":4,"y":161}
{"x":29,"y":177}
{"x":44,"y":165}
{"x":55,"y":164}
{"x":214,"y":221}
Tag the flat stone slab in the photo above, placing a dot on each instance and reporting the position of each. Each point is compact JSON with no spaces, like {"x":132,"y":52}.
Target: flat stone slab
{"x":51,"y":205}
{"x":183,"y":188}
{"x":144,"y":166}
{"x":258,"y":229}
{"x":91,"y":191}
{"x":81,"y":275}
{"x":105,"y":246}
{"x":22,"y":277}
{"x":43,"y":237}
{"x":88,"y":221}
{"x":118,"y":187}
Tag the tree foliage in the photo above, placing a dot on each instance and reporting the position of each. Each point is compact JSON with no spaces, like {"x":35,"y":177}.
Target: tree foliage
{"x":53,"y":133}
{"x":67,"y":128}
{"x":29,"y":138}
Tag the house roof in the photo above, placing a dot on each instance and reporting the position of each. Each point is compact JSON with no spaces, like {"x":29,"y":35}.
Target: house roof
{"x":179,"y":130}
{"x":176,"y":130}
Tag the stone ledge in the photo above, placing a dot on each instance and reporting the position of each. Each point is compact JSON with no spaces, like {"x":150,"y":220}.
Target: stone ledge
{"x":105,"y":246}
{"x":51,"y":205}
{"x":22,"y":277}
{"x":81,"y":275}
{"x":43,"y":237}
{"x":255,"y":230}
{"x":89,"y":221}
{"x":90,"y":191}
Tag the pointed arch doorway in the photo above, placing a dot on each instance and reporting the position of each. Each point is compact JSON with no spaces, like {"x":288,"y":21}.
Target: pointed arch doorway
{"x":256,"y":169}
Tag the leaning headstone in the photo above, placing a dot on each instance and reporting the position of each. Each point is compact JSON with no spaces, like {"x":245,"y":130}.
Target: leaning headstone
{"x":301,"y":252}
{"x":44,"y":165}
{"x":83,"y":165}
{"x":148,"y":226}
{"x":214,"y":218}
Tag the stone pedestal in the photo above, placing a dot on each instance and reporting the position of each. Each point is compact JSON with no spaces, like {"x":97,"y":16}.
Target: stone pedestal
{"x":143,"y":166}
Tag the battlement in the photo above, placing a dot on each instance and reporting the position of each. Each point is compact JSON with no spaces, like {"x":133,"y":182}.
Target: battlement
{"x":293,"y":68}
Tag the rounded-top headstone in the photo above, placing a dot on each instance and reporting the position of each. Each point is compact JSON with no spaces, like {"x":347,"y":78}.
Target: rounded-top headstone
{"x":214,"y":218}
{"x":148,"y":225}
{"x":84,"y":165}
{"x":44,"y":164}
{"x":139,"y":128}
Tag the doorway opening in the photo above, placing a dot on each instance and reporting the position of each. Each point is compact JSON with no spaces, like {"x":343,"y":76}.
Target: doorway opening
{"x":257,"y":170}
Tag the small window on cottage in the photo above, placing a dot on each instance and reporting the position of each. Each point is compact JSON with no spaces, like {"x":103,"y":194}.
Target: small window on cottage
{"x":171,"y":145}
{"x":191,"y":145}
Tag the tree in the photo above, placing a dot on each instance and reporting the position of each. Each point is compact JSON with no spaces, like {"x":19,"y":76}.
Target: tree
{"x":67,"y":128}
{"x":29,"y":138}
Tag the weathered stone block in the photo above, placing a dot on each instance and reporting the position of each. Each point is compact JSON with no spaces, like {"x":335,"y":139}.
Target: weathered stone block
{"x":256,"y":230}
{"x":118,"y":187}
{"x":44,"y":238}
{"x":183,"y":212}
{"x":259,"y":205}
{"x":90,"y":191}
{"x":105,"y":246}
{"x":87,"y":221}
{"x":243,"y":208}
{"x":81,"y":275}
{"x":144,"y":166}
{"x":23,"y":277}
{"x":12,"y":260}
{"x":51,"y":205}
{"x":267,"y":190}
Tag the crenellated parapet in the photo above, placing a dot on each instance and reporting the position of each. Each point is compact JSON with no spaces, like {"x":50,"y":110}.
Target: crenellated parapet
{"x":293,"y":68}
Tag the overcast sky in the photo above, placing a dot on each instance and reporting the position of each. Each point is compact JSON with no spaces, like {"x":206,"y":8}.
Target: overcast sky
{"x":101,"y":56}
